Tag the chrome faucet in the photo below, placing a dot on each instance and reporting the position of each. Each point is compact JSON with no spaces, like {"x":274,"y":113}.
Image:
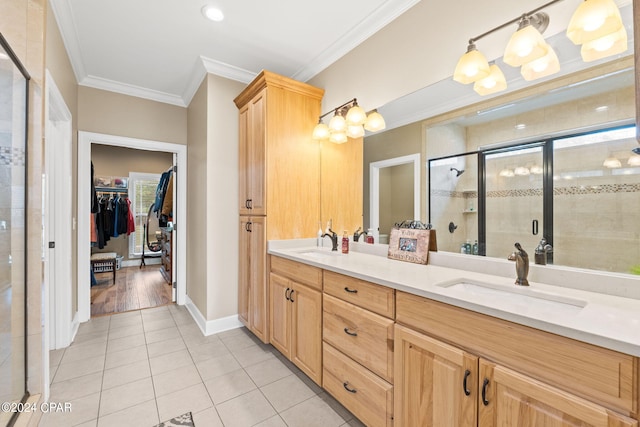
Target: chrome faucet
{"x":541,"y":252}
{"x":521,"y":258}
{"x":334,"y":239}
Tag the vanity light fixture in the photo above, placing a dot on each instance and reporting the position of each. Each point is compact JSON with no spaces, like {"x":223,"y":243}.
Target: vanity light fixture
{"x":507,"y":173}
{"x":596,"y":25}
{"x":634,"y":160}
{"x":494,"y":82}
{"x":536,"y":169}
{"x":349,"y":121}
{"x":212,"y":13}
{"x":521,"y":171}
{"x":611,"y":163}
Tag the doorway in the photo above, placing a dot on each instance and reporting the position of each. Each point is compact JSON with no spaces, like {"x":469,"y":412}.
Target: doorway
{"x":86,"y":141}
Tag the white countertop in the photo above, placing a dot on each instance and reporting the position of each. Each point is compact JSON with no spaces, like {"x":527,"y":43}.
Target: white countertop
{"x":605,"y":320}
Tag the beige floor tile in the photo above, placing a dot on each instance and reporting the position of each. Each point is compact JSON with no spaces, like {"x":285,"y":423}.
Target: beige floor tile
{"x":120,"y":321}
{"x":77,"y":352}
{"x":274,"y":421}
{"x":82,"y":410}
{"x":162,"y":335}
{"x":55,"y":356}
{"x":170,"y":361}
{"x":125,"y":331}
{"x":67,"y":391}
{"x":127,"y":395}
{"x":238,"y":341}
{"x":228,"y":386}
{"x":287,"y":392}
{"x":194,"y":399}
{"x":92,"y":423}
{"x":176,"y":379}
{"x":207,"y":418}
{"x":125,"y":374}
{"x":79,"y":368}
{"x":98,"y":337}
{"x":209,"y":350}
{"x":231,"y":332}
{"x":246,"y":410}
{"x":141,"y":415}
{"x":266,"y":372}
{"x":125,"y":357}
{"x":254,"y":354}
{"x":98,"y":324}
{"x":164,"y":347}
{"x":336,"y":406}
{"x":353,"y":423}
{"x":217,"y":366}
{"x":156,"y":324}
{"x":313,"y":412}
{"x":119,"y":344}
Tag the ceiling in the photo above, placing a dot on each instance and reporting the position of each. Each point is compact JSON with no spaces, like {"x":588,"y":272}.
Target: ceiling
{"x":162,"y":49}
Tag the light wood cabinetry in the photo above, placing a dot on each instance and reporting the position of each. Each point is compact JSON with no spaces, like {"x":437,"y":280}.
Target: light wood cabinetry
{"x":279,"y":179}
{"x":514,"y":375}
{"x":358,"y":346}
{"x":295,"y":318}
{"x":252,"y":277}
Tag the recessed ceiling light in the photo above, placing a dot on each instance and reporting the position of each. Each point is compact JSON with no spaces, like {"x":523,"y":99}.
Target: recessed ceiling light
{"x":212,"y":13}
{"x":521,"y":126}
{"x":602,"y":108}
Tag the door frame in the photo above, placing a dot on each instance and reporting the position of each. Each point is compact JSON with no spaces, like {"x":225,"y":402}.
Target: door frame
{"x":85,"y":140}
{"x":374,"y":186}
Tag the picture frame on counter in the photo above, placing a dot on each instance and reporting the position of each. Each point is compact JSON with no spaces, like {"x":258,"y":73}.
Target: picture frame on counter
{"x":411,"y":245}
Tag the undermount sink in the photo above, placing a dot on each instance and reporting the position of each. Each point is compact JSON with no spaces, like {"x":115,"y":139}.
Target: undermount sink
{"x":319,"y":253}
{"x":515,"y":296}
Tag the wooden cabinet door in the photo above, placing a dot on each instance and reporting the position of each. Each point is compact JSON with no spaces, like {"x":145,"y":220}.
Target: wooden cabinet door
{"x":244,"y":177}
{"x":243,"y":271}
{"x":280,"y":314}
{"x":257,"y":154}
{"x":259,"y":298}
{"x":514,"y":399}
{"x":435,"y":383}
{"x":306,"y":330}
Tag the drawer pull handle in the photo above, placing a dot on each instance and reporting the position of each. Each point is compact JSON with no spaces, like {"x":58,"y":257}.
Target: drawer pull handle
{"x":353,"y":334}
{"x":351,"y":291}
{"x":286,"y":294}
{"x":485,"y":383}
{"x":291,"y":295}
{"x":467,"y":392}
{"x":350,"y":390}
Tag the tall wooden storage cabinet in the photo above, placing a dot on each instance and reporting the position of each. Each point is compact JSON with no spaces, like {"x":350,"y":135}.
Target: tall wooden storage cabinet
{"x":279,"y":194}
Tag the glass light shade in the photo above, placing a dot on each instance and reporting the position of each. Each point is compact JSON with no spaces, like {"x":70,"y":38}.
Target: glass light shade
{"x":338,"y":137}
{"x":321,"y":131}
{"x":375,"y":122}
{"x":525,"y":45}
{"x":212,"y":13}
{"x":611,"y":44}
{"x":611,"y":163}
{"x":508,"y":173}
{"x":634,"y":160}
{"x":521,"y":171}
{"x":337,"y":124}
{"x":494,"y":82}
{"x":545,"y":66}
{"x":356,"y":131}
{"x":356,"y":116}
{"x":594,"y":19}
{"x":536,"y":169}
{"x":471,"y":67}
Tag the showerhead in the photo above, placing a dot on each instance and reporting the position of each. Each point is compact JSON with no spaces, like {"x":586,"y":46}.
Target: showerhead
{"x":458,"y":172}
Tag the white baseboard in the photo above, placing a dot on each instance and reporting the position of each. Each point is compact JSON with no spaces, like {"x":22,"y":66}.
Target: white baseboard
{"x":147,"y":261}
{"x":210,"y":327}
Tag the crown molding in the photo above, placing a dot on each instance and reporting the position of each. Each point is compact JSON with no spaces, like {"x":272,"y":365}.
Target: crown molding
{"x":132,"y":90}
{"x":373,"y":23}
{"x":63,"y":15}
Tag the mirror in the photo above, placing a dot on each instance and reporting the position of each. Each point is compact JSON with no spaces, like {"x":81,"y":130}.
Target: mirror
{"x":594,"y":206}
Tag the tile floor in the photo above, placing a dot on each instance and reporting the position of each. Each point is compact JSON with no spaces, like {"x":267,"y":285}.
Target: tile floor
{"x":143,"y":367}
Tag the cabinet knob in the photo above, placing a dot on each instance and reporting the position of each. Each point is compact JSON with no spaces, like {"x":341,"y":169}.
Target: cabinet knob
{"x":467,"y":392}
{"x":353,"y":334}
{"x":350,"y":390}
{"x":485,"y":384}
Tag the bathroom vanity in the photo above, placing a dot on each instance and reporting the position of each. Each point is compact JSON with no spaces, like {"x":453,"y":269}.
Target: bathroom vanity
{"x":426,"y":345}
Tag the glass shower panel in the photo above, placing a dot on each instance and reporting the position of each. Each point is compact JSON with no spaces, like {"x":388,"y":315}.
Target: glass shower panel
{"x":453,"y":200}
{"x":513,"y":200}
{"x":597,"y":202}
{"x":13,"y":95}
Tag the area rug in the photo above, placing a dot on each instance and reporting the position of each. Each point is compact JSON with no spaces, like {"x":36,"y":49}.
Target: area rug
{"x":184,"y":420}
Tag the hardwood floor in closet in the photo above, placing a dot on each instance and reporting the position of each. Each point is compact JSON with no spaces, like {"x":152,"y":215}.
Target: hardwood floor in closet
{"x":135,"y":288}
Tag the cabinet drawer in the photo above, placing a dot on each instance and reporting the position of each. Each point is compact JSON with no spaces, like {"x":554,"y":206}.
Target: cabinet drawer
{"x":301,"y":273}
{"x":604,"y":376}
{"x":376,"y":298}
{"x":364,"y":336}
{"x":363,"y":393}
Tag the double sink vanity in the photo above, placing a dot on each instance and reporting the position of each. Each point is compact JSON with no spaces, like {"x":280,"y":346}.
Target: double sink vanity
{"x":429,"y":345}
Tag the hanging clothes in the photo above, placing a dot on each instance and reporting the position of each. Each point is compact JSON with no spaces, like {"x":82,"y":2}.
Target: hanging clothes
{"x":167,"y":204}
{"x":161,"y":190}
{"x":94,"y":195}
{"x":131,"y":222}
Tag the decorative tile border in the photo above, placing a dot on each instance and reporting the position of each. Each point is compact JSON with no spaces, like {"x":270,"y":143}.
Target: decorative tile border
{"x":537,"y":192}
{"x":12,"y":156}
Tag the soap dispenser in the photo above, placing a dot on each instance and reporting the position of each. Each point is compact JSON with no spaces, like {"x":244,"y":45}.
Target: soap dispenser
{"x":319,"y":237}
{"x":345,"y":242}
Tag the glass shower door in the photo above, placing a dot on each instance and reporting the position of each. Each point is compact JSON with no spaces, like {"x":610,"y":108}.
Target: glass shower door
{"x":514,"y":203}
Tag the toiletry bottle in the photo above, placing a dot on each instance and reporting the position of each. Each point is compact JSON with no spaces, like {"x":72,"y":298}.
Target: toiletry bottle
{"x":463,"y":248}
{"x":319,"y":238}
{"x":467,"y":247}
{"x":370,"y":236}
{"x":475,"y":249}
{"x":345,"y":242}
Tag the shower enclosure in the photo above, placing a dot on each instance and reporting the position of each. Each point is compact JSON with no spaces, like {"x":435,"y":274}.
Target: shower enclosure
{"x":13,"y":137}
